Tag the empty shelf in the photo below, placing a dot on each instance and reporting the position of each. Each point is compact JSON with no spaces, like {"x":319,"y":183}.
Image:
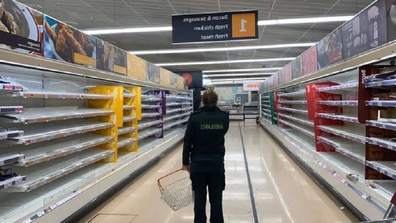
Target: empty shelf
{"x":44,"y":173}
{"x":49,"y":114}
{"x":299,"y":120}
{"x":145,"y":134}
{"x":383,"y":125}
{"x":346,"y":147}
{"x":301,"y":102}
{"x":129,"y":96}
{"x":125,"y":130}
{"x":301,"y":129}
{"x":150,"y":115}
{"x":129,"y":119}
{"x":148,"y":124}
{"x":151,"y":106}
{"x":385,"y":167}
{"x":342,"y":131}
{"x":7,"y":134}
{"x":382,"y":142}
{"x":299,"y":111}
{"x":128,"y":107}
{"x":38,"y":132}
{"x":291,"y":94}
{"x":122,"y":142}
{"x":168,"y":126}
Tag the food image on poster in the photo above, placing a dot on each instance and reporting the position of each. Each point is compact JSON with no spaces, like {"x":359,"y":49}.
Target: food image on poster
{"x":329,"y":49}
{"x":297,"y":69}
{"x":287,"y":73}
{"x":110,"y":58}
{"x":174,"y":80}
{"x":21,"y":28}
{"x":153,"y":73}
{"x":310,"y":60}
{"x":366,"y":31}
{"x":137,"y":67}
{"x":64,"y":43}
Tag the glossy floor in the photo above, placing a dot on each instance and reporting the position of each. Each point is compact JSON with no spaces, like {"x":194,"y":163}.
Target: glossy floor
{"x":282,"y":191}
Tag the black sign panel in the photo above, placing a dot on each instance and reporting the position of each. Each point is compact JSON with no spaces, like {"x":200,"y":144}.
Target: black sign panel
{"x":215,"y":27}
{"x":366,"y":31}
{"x":194,"y":78}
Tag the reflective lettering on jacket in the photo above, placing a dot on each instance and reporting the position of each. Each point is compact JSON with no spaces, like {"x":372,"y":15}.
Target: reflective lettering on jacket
{"x":211,"y":126}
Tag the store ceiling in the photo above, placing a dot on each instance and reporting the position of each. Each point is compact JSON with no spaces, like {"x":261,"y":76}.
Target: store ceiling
{"x":87,"y":14}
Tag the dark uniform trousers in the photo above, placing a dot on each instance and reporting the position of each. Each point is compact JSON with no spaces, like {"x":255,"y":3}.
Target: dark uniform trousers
{"x":211,"y":175}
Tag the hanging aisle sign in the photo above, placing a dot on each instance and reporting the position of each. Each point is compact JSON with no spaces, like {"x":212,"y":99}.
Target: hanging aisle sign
{"x":251,"y":85}
{"x":215,"y":27}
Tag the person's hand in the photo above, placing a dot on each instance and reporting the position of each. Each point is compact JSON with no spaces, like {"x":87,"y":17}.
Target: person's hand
{"x":186,"y":168}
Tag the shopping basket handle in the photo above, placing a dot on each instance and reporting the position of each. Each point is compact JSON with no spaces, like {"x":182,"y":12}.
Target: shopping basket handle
{"x":159,"y":180}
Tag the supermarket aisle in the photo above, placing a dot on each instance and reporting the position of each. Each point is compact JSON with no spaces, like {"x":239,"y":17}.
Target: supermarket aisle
{"x":282,"y":192}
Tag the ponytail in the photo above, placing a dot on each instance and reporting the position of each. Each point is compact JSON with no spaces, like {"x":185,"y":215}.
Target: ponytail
{"x":210,"y":96}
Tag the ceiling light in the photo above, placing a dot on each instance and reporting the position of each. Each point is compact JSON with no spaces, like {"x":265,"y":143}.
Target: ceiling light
{"x":237,"y":75}
{"x":304,"y":20}
{"x":213,"y":49}
{"x":241,"y":70}
{"x":229,"y":82}
{"x":127,"y":30}
{"x":260,"y":23}
{"x":224,"y":62}
{"x":233,"y":79}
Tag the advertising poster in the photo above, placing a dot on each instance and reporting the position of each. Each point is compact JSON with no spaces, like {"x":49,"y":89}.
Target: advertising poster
{"x":366,"y":31}
{"x":64,"y":43}
{"x":110,"y":58}
{"x":391,"y":19}
{"x":21,"y":28}
{"x":182,"y":83}
{"x":310,"y":60}
{"x":194,"y":78}
{"x":174,"y":80}
{"x":329,"y":49}
{"x":137,"y":67}
{"x":287,"y":73}
{"x":297,"y":68}
{"x":165,"y":77}
{"x":251,"y":85}
{"x":275,"y":79}
{"x":153,"y":73}
{"x":281,"y":76}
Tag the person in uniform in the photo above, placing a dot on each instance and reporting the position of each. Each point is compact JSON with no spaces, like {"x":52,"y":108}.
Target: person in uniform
{"x":203,"y":156}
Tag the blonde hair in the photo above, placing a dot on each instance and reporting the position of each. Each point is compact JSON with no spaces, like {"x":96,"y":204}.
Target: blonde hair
{"x":210,"y":96}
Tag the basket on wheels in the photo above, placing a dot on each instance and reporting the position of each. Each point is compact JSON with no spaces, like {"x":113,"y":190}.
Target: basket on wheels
{"x":178,"y":194}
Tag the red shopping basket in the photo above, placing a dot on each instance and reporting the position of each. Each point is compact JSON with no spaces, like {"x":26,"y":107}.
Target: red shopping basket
{"x":178,"y":194}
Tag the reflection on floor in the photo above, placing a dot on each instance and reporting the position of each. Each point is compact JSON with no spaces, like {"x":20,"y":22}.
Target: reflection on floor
{"x":282,"y":191}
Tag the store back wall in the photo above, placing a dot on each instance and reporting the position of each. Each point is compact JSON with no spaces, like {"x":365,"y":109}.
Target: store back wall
{"x":226,"y":94}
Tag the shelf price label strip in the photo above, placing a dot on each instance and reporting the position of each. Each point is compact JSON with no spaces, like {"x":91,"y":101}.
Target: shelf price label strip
{"x":338,"y":87}
{"x":338,"y":103}
{"x":310,"y":134}
{"x":13,"y":158}
{"x":10,"y":134}
{"x":382,"y":170}
{"x":338,"y":117}
{"x":335,"y":175}
{"x":382,"y":125}
{"x":381,"y":143}
{"x":11,"y":182}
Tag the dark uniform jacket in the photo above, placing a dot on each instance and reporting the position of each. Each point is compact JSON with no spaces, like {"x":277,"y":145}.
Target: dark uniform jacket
{"x":204,"y":138}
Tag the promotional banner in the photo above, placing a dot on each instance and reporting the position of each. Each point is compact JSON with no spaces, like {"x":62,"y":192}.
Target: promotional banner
{"x":391,"y":19}
{"x":329,"y":49}
{"x":21,"y":28}
{"x":287,"y":73}
{"x":280,"y":76}
{"x":110,"y":58}
{"x":174,"y":80}
{"x":165,"y":77}
{"x":194,"y":78}
{"x":297,"y":68}
{"x":137,"y":67}
{"x":64,"y":43}
{"x":310,"y":60}
{"x":251,"y":85}
{"x":275,"y":79}
{"x":366,"y":31}
{"x":182,"y":83}
{"x":153,"y":73}
{"x":215,"y":27}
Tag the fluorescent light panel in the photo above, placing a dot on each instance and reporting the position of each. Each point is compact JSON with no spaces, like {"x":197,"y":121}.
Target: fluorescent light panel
{"x":260,"y":23}
{"x":213,"y":49}
{"x":241,"y":70}
{"x":237,"y":75}
{"x":225,"y":62}
{"x":228,"y":82}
